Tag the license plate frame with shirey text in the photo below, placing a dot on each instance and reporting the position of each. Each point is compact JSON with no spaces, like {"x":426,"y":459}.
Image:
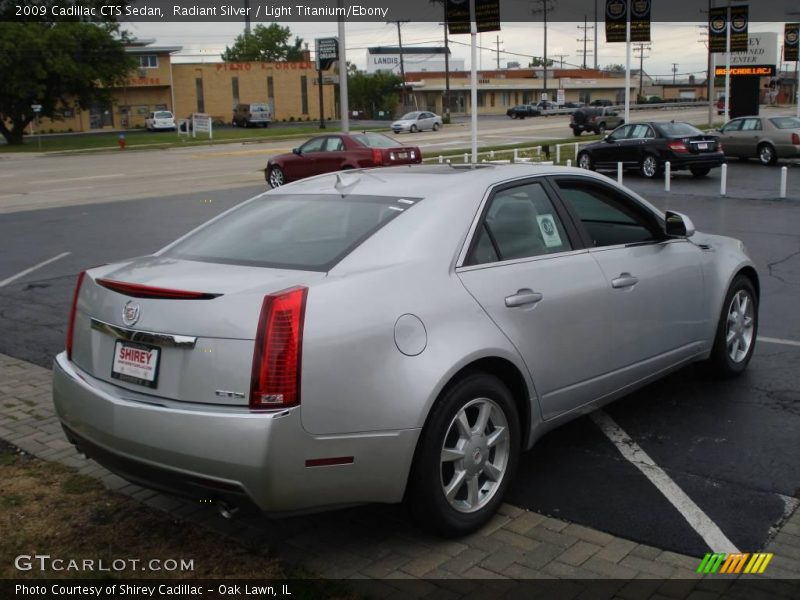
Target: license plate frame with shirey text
{"x":136,"y":363}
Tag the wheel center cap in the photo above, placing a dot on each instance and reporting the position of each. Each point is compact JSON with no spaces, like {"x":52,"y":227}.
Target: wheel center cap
{"x":477,"y":456}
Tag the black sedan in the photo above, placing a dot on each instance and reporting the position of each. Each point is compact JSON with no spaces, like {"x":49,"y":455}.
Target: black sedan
{"x":523,"y":110}
{"x":648,"y":146}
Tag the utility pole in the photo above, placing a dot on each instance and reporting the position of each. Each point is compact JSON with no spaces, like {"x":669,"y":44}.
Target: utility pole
{"x":560,"y":58}
{"x":246,"y":18}
{"x":544,"y":9}
{"x":674,"y":72}
{"x":402,"y":66}
{"x":640,"y":48}
{"x":585,"y":39}
{"x":497,"y":43}
{"x":446,"y":110}
{"x":595,"y":35}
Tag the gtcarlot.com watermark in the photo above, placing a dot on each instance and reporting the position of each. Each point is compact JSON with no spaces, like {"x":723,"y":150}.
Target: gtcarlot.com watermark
{"x":45,"y":562}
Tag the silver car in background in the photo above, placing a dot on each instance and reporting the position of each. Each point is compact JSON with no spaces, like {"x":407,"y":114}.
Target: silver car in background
{"x":765,"y":138}
{"x":394,"y":333}
{"x":417,"y":121}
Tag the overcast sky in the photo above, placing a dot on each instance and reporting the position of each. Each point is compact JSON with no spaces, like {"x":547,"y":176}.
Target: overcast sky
{"x":679,"y":43}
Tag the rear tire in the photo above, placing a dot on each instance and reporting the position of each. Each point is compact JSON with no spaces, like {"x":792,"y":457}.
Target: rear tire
{"x":697,"y":172}
{"x":739,"y":323}
{"x":466,"y":457}
{"x":649,"y":166}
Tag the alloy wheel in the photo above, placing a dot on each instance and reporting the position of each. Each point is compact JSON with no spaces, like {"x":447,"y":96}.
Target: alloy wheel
{"x":276,"y":177}
{"x":649,"y":166}
{"x":741,"y":321}
{"x":475,"y":455}
{"x":766,"y":154}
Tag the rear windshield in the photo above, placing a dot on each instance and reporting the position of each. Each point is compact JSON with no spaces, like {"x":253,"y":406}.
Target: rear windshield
{"x":677,"y":129}
{"x":309,"y":232}
{"x":786,"y":122}
{"x":163,"y":114}
{"x":375,"y":140}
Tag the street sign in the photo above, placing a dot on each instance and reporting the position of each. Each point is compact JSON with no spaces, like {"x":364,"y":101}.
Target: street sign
{"x":327,"y":52}
{"x":37,"y":108}
{"x":561,"y":97}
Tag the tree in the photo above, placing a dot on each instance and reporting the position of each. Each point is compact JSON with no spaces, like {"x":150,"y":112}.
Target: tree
{"x":615,"y":68}
{"x":374,"y":92}
{"x":539,"y":62}
{"x":265,"y":44}
{"x":58,"y":65}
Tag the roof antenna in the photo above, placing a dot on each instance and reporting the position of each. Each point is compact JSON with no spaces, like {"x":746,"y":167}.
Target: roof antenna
{"x":345,"y":180}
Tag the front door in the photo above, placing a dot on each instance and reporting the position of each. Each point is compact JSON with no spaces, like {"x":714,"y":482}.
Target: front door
{"x":654,"y":284}
{"x":527,"y":270}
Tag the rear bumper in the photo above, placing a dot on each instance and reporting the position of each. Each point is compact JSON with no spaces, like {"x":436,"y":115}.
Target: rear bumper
{"x":701,"y":161}
{"x":227,"y":453}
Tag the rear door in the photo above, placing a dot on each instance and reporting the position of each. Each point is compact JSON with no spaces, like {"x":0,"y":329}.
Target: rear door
{"x":527,"y":269}
{"x":750,"y":135}
{"x":654,"y":285}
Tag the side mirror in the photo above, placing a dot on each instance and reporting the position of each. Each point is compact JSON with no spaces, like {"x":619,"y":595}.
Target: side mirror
{"x":678,"y":225}
{"x":296,"y":151}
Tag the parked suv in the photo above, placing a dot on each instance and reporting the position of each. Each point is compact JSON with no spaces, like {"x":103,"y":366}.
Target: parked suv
{"x":594,"y":120}
{"x":160,"y":120}
{"x":252,"y":115}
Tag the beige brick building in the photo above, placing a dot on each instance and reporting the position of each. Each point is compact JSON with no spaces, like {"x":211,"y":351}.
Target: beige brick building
{"x":214,"y":88}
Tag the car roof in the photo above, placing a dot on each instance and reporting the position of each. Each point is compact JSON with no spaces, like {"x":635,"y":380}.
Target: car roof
{"x":420,"y":181}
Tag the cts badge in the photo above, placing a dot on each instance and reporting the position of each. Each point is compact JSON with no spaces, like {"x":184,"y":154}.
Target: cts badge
{"x":130,"y":312}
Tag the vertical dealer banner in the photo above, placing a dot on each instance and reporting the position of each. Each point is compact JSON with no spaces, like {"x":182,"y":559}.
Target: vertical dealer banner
{"x":717,"y":25}
{"x":740,"y":41}
{"x":791,"y":33}
{"x":616,"y":17}
{"x":487,"y":15}
{"x":640,"y":20}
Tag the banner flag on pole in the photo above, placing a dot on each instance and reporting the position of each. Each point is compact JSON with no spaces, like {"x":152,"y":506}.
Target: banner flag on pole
{"x":640,"y":20}
{"x":791,"y":33}
{"x":616,"y":19}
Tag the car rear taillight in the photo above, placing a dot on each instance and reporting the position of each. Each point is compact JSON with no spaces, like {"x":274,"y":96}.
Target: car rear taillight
{"x":377,"y":156}
{"x":72,"y":311}
{"x":275,"y":380}
{"x":796,"y":139}
{"x":678,"y":147}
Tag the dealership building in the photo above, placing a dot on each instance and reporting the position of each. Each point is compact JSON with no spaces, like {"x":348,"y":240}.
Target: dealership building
{"x":212,"y":88}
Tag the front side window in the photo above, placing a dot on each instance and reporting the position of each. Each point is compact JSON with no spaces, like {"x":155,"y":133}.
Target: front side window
{"x":734,"y":125}
{"x":314,"y":145}
{"x":520,"y":222}
{"x":620,"y":134}
{"x":609,"y":218}
{"x":308,"y":232}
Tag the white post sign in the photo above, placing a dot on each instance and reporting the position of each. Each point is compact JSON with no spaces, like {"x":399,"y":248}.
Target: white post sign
{"x":202,"y":122}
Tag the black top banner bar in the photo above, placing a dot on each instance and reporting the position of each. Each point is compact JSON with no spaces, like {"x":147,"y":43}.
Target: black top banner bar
{"x":487,"y":15}
{"x":489,"y":12}
{"x":717,"y":29}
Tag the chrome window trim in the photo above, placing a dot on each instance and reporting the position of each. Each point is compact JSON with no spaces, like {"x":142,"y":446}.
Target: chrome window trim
{"x":147,"y":337}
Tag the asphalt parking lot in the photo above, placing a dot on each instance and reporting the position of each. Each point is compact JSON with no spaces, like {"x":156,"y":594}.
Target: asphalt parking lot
{"x":731,"y":447}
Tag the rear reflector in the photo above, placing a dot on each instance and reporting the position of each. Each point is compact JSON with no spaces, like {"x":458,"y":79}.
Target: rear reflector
{"x":326,"y":462}
{"x":275,"y":379}
{"x":72,"y":311}
{"x":145,"y":291}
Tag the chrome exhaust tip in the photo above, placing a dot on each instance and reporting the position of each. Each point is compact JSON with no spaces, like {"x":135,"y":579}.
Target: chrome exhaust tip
{"x":227,"y":511}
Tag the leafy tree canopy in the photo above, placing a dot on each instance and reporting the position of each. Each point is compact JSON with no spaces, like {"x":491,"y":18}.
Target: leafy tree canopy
{"x":373,"y":92}
{"x":58,"y":65}
{"x":616,"y":68}
{"x":266,"y":44}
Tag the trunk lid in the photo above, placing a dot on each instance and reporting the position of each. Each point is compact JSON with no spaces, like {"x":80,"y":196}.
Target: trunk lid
{"x":198,"y":350}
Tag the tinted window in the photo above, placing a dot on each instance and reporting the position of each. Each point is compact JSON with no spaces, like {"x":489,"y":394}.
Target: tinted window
{"x":609,"y":218}
{"x":520,"y":222}
{"x":375,"y":140}
{"x":678,"y":130}
{"x":786,"y":122}
{"x":621,"y":133}
{"x":314,"y":145}
{"x":310,"y":232}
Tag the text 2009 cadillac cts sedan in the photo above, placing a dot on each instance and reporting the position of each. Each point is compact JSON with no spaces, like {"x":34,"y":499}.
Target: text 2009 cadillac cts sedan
{"x":395,"y":333}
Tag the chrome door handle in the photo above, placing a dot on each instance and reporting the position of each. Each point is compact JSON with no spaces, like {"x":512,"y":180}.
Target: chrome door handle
{"x":523,"y":298}
{"x":625,"y":280}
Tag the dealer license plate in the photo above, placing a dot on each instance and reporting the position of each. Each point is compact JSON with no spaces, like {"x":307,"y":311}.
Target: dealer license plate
{"x":402,"y":155}
{"x":136,"y":363}
{"x":702,"y":146}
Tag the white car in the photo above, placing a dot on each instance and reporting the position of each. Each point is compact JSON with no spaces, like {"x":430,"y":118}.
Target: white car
{"x":419,"y":120}
{"x":160,"y":120}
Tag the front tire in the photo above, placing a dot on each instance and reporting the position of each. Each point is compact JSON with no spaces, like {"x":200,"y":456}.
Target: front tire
{"x":276,"y":177}
{"x":767,"y":155}
{"x":737,"y":329}
{"x":436,"y":127}
{"x":412,"y":129}
{"x":466,"y":456}
{"x":576,"y":132}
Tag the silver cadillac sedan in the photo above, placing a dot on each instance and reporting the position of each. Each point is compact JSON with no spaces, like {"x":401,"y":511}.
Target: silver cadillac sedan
{"x":391,"y":334}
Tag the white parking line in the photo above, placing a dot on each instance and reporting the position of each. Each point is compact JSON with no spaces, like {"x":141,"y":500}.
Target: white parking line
{"x":770,"y":340}
{"x":32,"y":269}
{"x":700,"y":522}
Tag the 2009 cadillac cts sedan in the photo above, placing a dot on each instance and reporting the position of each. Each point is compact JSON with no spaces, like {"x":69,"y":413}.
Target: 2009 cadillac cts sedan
{"x":397,"y":333}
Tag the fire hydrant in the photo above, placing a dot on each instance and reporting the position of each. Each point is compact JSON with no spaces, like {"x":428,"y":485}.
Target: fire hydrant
{"x":122,"y":142}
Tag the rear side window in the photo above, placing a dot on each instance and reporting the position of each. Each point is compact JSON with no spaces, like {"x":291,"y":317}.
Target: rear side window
{"x":306,"y":232}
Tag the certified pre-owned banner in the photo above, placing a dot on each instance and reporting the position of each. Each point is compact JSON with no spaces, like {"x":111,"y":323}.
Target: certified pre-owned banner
{"x":791,"y":33}
{"x":616,"y":17}
{"x":640,"y":20}
{"x":487,"y":15}
{"x":717,"y":28}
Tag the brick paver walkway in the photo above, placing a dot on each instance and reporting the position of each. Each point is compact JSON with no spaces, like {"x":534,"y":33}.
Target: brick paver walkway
{"x":380,"y":541}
